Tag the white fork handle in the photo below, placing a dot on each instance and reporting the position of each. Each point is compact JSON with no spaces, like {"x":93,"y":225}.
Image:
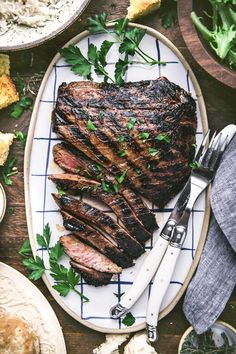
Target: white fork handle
{"x":142,"y":279}
{"x":160,"y":284}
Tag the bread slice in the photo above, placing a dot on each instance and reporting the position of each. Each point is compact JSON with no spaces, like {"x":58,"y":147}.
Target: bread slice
{"x":5,"y":142}
{"x":8,"y":93}
{"x":4,"y":64}
{"x":140,"y":8}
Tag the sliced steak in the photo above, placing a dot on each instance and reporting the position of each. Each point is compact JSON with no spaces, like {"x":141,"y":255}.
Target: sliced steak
{"x":157,"y":168}
{"x":94,"y":238}
{"x":91,"y":276}
{"x":73,"y":161}
{"x":103,"y":221}
{"x":115,"y":201}
{"x":87,"y":256}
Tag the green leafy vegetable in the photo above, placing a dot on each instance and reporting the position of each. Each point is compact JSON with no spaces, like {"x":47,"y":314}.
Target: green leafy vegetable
{"x":222,"y":33}
{"x":91,"y":126}
{"x":106,"y":186}
{"x":121,"y":178}
{"x":97,"y":23}
{"x":153,"y":151}
{"x":131,"y":123}
{"x":121,"y":153}
{"x":206,"y":344}
{"x":9,"y":169}
{"x":19,"y":107}
{"x":66,"y":279}
{"x":21,"y":137}
{"x":129,"y":319}
{"x":79,"y":64}
{"x":144,"y":136}
{"x":20,"y":84}
{"x":168,"y":13}
{"x":60,"y":191}
{"x":163,"y":137}
{"x":120,"y":70}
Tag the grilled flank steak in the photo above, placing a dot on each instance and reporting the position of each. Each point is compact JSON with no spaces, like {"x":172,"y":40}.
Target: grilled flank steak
{"x":119,"y":143}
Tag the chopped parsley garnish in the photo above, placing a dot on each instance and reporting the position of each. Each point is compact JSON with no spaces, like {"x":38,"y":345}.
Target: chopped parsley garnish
{"x":129,"y":319}
{"x":60,"y":191}
{"x":138,"y":171}
{"x":194,"y":165}
{"x":144,"y":136}
{"x":121,"y":178}
{"x":131,"y":123}
{"x":91,"y":127}
{"x":106,"y":186}
{"x":148,"y":166}
{"x":78,"y":169}
{"x":21,"y":137}
{"x":116,"y":187}
{"x":121,"y":153}
{"x":163,"y":137}
{"x":9,"y":170}
{"x":25,"y":102}
{"x":121,"y":139}
{"x":194,"y":146}
{"x":153,"y":151}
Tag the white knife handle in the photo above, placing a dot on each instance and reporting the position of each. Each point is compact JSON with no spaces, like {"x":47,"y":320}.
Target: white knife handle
{"x":142,"y":279}
{"x":160,"y":284}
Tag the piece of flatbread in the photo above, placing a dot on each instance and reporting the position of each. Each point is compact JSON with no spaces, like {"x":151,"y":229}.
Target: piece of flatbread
{"x":4,"y":64}
{"x":140,"y":8}
{"x":8,"y":93}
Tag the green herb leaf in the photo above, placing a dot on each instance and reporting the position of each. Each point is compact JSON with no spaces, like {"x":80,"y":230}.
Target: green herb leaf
{"x":194,"y":146}
{"x":97,"y":23}
{"x":153,"y":151}
{"x":92,"y":53}
{"x":116,"y":187}
{"x":121,"y":178}
{"x":194,"y":165}
{"x":144,"y":136}
{"x":60,"y":191}
{"x":56,"y":252}
{"x":121,"y":139}
{"x":121,"y":153}
{"x":17,"y":111}
{"x":25,"y":102}
{"x":9,"y":170}
{"x":79,"y":64}
{"x":21,"y":137}
{"x":168,"y":13}
{"x":105,"y":47}
{"x":20,"y":84}
{"x":6,"y":179}
{"x":132,"y":41}
{"x":44,"y":239}
{"x":163,"y":137}
{"x":25,"y":249}
{"x":78,"y":170}
{"x":129,"y":319}
{"x":37,"y":267}
{"x":91,"y":126}
{"x":120,"y":69}
{"x":62,"y":288}
{"x":106,"y":186}
{"x":138,"y":171}
{"x":131,"y":123}
{"x":121,"y":27}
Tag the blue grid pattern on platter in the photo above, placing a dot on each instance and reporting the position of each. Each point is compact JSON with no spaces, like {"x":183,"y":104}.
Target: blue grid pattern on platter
{"x":120,"y":283}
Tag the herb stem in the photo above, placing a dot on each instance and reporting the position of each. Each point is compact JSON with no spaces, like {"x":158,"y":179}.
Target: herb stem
{"x":81,"y":295}
{"x":153,"y":61}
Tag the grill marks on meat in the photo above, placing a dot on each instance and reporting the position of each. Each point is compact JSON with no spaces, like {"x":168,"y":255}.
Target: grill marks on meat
{"x":103,"y":221}
{"x":91,"y":276}
{"x":154,"y":107}
{"x":159,"y":107}
{"x":114,"y":201}
{"x":94,"y":238}
{"x":74,"y":161}
{"x":87,"y":256}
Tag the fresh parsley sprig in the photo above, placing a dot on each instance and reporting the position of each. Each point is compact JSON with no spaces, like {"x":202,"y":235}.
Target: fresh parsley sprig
{"x":128,"y":39}
{"x":9,"y":169}
{"x":66,"y":279}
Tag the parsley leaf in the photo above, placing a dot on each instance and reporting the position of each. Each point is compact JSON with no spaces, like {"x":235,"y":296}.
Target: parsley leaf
{"x":144,"y":136}
{"x":106,"y":186}
{"x":120,"y":69}
{"x":131,"y":123}
{"x":56,"y":252}
{"x":60,"y":191}
{"x":120,"y":27}
{"x":129,"y":319}
{"x":20,"y":84}
{"x":9,"y":170}
{"x":44,"y":239}
{"x":91,"y":126}
{"x":105,"y":47}
{"x":121,"y":178}
{"x":36,"y":266}
{"x":121,"y":153}
{"x":194,"y":165}
{"x":97,"y":23}
{"x":168,"y":13}
{"x":25,"y":249}
{"x":153,"y":151}
{"x":21,"y":137}
{"x":19,"y":107}
{"x":132,"y":41}
{"x":79,"y":64}
{"x":163,"y":137}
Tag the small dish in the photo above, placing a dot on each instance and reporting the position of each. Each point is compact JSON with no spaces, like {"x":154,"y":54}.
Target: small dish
{"x":3,"y":202}
{"x":217,"y":328}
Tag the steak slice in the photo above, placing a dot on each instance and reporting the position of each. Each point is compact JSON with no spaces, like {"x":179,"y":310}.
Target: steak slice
{"x":103,"y":221}
{"x":93,"y":238}
{"x":74,"y":161}
{"x":83,"y":254}
{"x":115,"y":201}
{"x":156,"y":108}
{"x":91,"y":276}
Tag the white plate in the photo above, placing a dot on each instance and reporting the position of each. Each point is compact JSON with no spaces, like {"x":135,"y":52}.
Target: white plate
{"x":20,"y":36}
{"x":42,"y":209}
{"x":20,"y":297}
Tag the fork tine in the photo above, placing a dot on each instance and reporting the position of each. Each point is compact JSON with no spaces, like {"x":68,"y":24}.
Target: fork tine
{"x":218,"y":152}
{"x":207,"y":154}
{"x":202,"y":146}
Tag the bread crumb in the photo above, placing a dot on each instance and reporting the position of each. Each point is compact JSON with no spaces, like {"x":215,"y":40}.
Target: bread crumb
{"x":5,"y":142}
{"x":8,"y":93}
{"x":140,"y":8}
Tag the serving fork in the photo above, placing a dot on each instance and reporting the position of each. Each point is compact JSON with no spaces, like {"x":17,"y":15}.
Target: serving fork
{"x":168,"y":246}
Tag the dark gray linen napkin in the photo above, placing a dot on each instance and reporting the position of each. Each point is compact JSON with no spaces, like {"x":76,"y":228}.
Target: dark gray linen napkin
{"x":215,"y":278}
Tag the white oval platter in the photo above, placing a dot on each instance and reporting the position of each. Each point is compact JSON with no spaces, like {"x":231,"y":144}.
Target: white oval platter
{"x":19,"y":296}
{"x":41,"y":208}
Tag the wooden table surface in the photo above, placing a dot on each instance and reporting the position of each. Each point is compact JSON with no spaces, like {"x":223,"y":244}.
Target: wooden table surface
{"x":221,"y":109}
